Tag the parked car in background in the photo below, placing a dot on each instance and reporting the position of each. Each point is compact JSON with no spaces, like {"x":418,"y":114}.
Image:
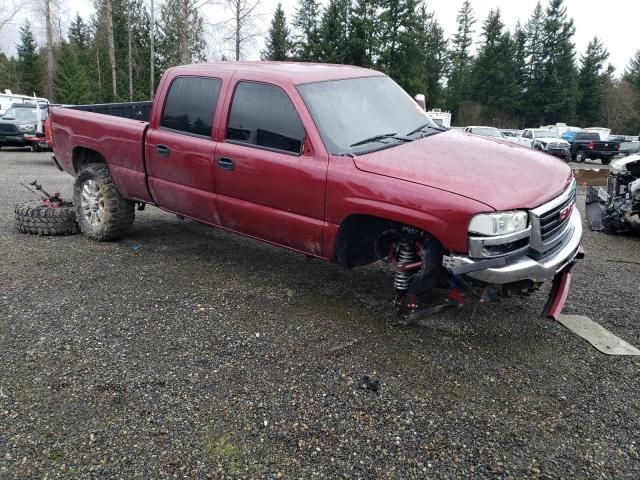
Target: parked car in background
{"x":510,"y":133}
{"x":8,"y":99}
{"x":629,"y":144}
{"x":22,"y":126}
{"x":346,"y":166}
{"x":588,"y":145}
{"x":546,"y":141}
{"x":484,"y":131}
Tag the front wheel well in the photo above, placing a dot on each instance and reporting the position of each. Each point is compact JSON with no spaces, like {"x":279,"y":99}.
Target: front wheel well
{"x":84,"y":156}
{"x":357,"y":237}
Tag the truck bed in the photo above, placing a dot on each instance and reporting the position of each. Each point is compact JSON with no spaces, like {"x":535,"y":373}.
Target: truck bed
{"x":132,"y":110}
{"x":110,"y":133}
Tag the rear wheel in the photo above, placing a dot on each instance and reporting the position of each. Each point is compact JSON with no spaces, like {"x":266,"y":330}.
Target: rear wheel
{"x":580,"y":156}
{"x":102,"y":213}
{"x":605,"y":161}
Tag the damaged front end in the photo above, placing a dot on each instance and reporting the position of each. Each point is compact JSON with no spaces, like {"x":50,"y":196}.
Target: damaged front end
{"x":612,"y":209}
{"x":510,"y":253}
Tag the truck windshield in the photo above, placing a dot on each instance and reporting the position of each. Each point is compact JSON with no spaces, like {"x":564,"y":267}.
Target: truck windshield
{"x":488,"y":132}
{"x":20,"y":114}
{"x":546,"y":134}
{"x":355,"y":112}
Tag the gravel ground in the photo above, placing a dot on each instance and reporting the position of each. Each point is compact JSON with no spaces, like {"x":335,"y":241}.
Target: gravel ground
{"x":186,"y":352}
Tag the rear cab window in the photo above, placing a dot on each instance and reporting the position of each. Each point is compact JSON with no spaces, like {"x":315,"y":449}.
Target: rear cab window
{"x":263,"y":116}
{"x":190,"y":105}
{"x":588,"y":136}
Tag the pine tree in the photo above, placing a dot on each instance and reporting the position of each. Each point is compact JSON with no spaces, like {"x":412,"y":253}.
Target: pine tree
{"x":460,"y":57}
{"x":71,"y":83}
{"x":591,"y":81}
{"x":79,"y":33}
{"x":8,"y":73}
{"x":278,"y":45}
{"x":127,"y":15}
{"x":559,"y":86}
{"x":181,"y":34}
{"x":632,"y":78}
{"x":363,"y":25}
{"x":28,"y":69}
{"x":435,"y":62}
{"x":307,"y":24}
{"x":493,"y":76}
{"x":520,"y":64}
{"x":632,"y":72}
{"x":532,"y":104}
{"x":333,"y":34}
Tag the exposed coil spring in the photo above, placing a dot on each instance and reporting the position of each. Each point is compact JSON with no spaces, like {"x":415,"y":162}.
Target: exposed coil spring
{"x":406,"y":254}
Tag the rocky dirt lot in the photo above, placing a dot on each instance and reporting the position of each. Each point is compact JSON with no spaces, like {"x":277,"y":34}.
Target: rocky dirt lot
{"x":186,"y":352}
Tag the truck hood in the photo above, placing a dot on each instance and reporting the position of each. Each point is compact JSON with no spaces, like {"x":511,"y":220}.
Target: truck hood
{"x":500,"y":174}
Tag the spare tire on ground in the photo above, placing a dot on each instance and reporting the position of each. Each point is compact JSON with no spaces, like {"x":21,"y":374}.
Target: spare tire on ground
{"x":37,"y":219}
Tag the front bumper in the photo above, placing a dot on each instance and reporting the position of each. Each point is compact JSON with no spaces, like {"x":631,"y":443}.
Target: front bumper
{"x":557,"y":152}
{"x":502,"y":271}
{"x":13,"y":141}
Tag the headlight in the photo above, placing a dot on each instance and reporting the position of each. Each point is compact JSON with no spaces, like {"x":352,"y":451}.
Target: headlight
{"x":499,"y":223}
{"x":26,"y":128}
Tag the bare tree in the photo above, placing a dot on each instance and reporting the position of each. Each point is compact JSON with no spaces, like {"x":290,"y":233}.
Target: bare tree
{"x":243,"y":21}
{"x":111,"y":47}
{"x":49,"y":61}
{"x":8,"y":10}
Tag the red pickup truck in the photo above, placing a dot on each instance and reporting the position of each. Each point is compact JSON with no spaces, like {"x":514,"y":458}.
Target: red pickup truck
{"x":336,"y":162}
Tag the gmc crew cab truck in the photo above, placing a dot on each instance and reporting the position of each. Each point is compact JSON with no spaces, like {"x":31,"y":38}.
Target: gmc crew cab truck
{"x":335,"y":162}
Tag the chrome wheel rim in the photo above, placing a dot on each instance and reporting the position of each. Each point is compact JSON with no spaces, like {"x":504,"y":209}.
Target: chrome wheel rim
{"x":92,"y":202}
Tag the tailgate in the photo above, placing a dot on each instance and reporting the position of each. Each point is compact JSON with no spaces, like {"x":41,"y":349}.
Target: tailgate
{"x":605,"y":146}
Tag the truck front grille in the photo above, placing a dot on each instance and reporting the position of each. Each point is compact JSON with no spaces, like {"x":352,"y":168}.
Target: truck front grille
{"x":551,"y":224}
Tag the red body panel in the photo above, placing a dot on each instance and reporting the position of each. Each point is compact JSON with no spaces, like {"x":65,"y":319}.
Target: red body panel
{"x":436,"y":184}
{"x":120,"y":141}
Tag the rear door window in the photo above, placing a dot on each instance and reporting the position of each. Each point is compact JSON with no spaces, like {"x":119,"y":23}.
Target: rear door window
{"x":190,"y":105}
{"x":263,"y":115}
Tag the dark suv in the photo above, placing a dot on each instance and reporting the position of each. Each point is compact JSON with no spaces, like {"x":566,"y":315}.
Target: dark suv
{"x":18,"y":125}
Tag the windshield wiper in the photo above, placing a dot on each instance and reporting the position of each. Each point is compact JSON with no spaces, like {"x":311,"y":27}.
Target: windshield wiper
{"x":422,"y":127}
{"x":375,"y":138}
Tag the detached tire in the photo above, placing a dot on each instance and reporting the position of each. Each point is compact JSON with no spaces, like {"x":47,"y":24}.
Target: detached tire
{"x":102,"y":213}
{"x":36,"y":219}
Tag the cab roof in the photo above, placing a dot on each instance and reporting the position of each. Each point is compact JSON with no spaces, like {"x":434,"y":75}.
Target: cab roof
{"x":295,"y":72}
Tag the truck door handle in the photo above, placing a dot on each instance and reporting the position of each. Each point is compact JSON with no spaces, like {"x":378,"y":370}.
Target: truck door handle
{"x":163,"y":150}
{"x":226,"y":163}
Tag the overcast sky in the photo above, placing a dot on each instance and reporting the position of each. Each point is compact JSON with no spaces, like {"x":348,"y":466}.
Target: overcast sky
{"x":616,"y":22}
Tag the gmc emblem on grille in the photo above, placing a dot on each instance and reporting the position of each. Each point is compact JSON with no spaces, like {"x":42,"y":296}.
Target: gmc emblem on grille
{"x":566,"y":212}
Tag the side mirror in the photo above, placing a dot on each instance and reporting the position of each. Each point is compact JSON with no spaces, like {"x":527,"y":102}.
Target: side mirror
{"x":420,"y":100}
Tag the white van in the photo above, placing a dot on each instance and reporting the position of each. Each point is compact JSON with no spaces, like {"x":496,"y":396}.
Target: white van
{"x":8,"y":98}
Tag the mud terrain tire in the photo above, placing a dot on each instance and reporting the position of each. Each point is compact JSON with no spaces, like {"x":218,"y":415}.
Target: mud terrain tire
{"x":102,"y":213}
{"x":36,"y":219}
